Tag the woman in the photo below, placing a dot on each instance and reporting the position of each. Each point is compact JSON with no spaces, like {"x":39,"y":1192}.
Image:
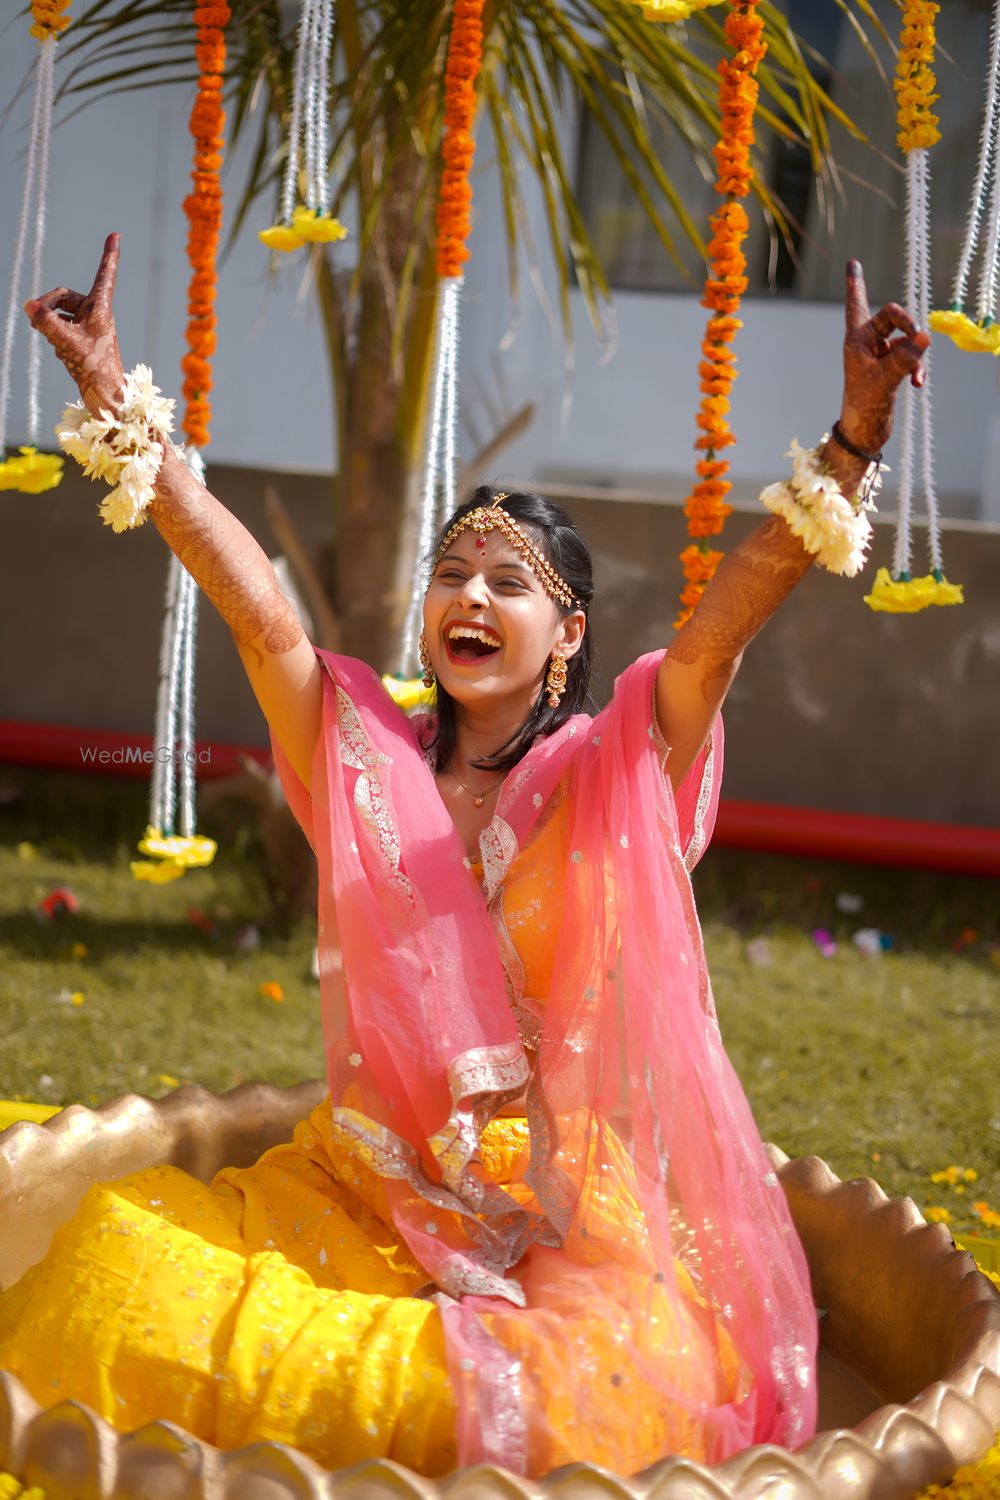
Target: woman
{"x":533,"y":1223}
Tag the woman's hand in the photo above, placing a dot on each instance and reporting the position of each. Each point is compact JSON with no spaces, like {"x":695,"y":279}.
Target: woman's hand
{"x":81,"y":329}
{"x":876,"y":364}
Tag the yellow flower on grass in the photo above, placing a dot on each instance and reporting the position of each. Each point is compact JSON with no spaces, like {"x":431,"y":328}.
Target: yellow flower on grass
{"x":78,"y":998}
{"x":169,"y":1081}
{"x":952,"y":1175}
{"x":987,"y":1215}
{"x":409,"y":692}
{"x":32,"y":472}
{"x":272,"y":991}
{"x":974,"y":338}
{"x":907,"y":596}
{"x":937,"y":1215}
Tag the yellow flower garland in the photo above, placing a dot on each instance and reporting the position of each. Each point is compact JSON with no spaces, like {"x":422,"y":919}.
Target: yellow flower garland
{"x":974,"y":338}
{"x":307,"y":228}
{"x":915,"y":82}
{"x":32,"y":472}
{"x":671,"y":10}
{"x":172,"y":855}
{"x":907,"y":596}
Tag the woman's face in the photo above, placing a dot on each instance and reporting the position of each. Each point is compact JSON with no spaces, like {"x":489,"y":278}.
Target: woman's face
{"x":490,"y":626}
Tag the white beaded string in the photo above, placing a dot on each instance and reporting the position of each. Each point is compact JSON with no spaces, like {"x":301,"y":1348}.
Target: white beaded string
{"x":309,"y":103}
{"x":322,"y":193}
{"x":46,"y":88}
{"x":904,"y":540}
{"x":186,"y":776}
{"x":308,"y":131}
{"x":173,"y":784}
{"x":986,"y":306}
{"x":923,"y":313}
{"x":985,"y":168}
{"x":17,"y":270}
{"x":449,"y":434}
{"x":166,"y":739}
{"x":162,"y":719}
{"x":290,"y":185}
{"x":189,"y":637}
{"x":437,"y":496}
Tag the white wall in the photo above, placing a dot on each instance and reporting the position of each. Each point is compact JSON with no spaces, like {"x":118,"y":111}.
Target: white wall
{"x":123,"y":163}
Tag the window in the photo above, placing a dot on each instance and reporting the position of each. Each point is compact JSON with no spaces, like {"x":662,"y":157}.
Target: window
{"x":862,"y":218}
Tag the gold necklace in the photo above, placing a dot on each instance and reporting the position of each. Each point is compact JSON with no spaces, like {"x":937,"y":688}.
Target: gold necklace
{"x":478,"y":798}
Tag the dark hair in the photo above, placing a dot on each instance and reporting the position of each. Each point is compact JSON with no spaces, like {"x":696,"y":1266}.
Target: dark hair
{"x":561,"y":541}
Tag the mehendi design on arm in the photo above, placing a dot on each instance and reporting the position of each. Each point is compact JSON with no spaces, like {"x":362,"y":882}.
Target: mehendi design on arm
{"x":748,"y":586}
{"x":225,"y":561}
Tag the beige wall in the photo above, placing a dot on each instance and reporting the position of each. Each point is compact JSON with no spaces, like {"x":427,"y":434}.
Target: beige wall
{"x":834,"y":707}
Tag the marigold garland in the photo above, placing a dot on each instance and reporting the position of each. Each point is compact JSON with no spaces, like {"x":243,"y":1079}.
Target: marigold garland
{"x":203,"y":207}
{"x":49,"y":17}
{"x":706,"y":507}
{"x":454,"y":204}
{"x":915,"y":83}
{"x":898,"y":592}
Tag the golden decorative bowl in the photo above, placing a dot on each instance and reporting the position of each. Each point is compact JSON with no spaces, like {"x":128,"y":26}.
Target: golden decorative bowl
{"x":909,"y":1363}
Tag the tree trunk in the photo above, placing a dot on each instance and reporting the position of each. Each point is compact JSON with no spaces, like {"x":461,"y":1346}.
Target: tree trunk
{"x":381,"y":417}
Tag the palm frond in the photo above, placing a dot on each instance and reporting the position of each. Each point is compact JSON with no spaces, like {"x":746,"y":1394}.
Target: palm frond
{"x":546,"y":61}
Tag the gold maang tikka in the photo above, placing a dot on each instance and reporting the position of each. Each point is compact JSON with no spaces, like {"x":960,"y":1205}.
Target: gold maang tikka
{"x":493,"y":517}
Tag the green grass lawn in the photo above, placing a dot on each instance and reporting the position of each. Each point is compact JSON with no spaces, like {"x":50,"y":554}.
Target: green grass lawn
{"x":885,"y":1066}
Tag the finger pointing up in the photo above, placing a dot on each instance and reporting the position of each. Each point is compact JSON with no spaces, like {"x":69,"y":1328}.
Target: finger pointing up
{"x":103,"y":289}
{"x":856,"y":298}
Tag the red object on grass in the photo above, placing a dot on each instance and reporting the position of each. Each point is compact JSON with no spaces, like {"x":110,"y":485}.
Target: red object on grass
{"x":59,"y":900}
{"x":807,"y":832}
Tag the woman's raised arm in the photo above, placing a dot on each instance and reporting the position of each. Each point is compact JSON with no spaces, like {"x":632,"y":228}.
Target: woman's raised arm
{"x":217,"y":550}
{"x":759,"y":573}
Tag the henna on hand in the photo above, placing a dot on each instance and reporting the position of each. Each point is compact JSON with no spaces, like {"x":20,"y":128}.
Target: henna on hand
{"x":217,"y":550}
{"x":748,"y":585}
{"x":225,"y":561}
{"x":875,"y":365}
{"x":81,"y":330}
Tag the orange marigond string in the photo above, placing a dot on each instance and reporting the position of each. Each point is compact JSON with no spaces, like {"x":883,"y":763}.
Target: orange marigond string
{"x":706,"y":507}
{"x":203,"y":207}
{"x":454,"y":206}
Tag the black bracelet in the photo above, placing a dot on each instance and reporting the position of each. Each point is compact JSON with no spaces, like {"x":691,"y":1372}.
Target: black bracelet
{"x":849,"y":447}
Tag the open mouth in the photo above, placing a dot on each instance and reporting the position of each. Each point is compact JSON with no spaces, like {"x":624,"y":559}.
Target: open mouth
{"x":471,"y":643}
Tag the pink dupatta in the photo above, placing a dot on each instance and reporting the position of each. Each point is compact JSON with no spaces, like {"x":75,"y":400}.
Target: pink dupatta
{"x":646,"y":1208}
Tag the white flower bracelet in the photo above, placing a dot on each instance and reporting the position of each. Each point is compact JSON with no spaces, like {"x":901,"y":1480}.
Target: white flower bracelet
{"x":836,"y":530}
{"x":120,"y":449}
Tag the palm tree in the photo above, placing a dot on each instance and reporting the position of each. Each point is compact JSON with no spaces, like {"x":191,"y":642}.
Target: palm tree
{"x":542,"y":58}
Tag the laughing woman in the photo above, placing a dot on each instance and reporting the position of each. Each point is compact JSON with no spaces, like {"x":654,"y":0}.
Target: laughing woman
{"x":533,"y":1222}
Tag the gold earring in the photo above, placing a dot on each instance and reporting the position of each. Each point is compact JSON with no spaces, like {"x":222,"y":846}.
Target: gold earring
{"x":555,"y":681}
{"x":426,"y":670}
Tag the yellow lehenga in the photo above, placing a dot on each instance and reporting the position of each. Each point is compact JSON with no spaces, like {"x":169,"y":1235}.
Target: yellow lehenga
{"x":281,"y":1303}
